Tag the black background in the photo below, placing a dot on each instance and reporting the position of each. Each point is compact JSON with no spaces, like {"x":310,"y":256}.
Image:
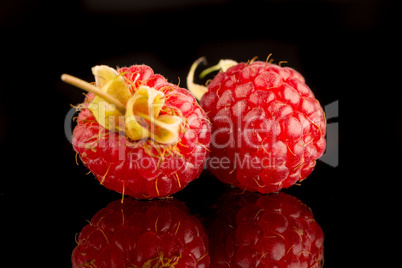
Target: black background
{"x":347,"y":51}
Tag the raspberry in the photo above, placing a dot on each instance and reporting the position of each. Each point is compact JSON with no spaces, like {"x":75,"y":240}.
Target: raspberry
{"x":268,"y":129}
{"x":138,"y":134}
{"x":158,"y":233}
{"x":255,"y":230}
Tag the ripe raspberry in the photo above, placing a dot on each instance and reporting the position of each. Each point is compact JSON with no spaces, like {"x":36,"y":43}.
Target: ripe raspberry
{"x":158,"y":233}
{"x":267,"y":127}
{"x":254,"y":230}
{"x":138,"y":134}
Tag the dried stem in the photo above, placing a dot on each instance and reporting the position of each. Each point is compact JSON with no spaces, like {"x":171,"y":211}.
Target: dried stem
{"x":90,"y":88}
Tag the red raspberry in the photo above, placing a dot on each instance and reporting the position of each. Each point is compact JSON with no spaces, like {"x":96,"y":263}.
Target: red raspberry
{"x":254,"y":230}
{"x":158,"y":233}
{"x":151,"y":143}
{"x":267,"y":127}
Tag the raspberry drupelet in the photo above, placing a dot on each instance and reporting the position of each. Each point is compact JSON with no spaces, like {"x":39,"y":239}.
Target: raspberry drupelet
{"x":268,"y":129}
{"x":139,"y":134}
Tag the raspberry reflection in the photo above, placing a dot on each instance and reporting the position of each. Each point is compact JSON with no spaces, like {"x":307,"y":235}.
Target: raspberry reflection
{"x":254,"y":230}
{"x":158,"y":233}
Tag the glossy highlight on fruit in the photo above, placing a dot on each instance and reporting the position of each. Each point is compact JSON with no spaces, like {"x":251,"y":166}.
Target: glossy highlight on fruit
{"x":268,"y":129}
{"x":264,"y":231}
{"x":142,"y":234}
{"x":139,"y":134}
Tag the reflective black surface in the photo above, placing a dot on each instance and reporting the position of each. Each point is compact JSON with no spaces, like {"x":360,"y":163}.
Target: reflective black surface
{"x":244,"y":229}
{"x":347,"y":51}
